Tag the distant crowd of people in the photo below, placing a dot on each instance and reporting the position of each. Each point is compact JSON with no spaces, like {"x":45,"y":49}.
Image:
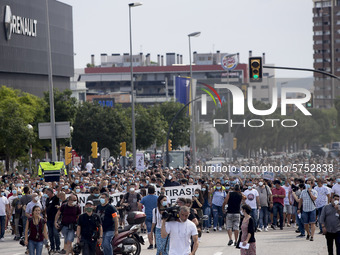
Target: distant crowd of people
{"x":39,"y":211}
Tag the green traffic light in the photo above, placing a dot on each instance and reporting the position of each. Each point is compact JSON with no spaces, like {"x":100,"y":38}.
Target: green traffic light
{"x":255,"y":76}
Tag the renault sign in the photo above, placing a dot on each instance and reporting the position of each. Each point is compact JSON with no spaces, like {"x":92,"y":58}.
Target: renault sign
{"x":18,"y":25}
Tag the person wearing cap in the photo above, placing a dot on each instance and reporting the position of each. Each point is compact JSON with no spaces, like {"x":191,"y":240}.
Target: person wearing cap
{"x":52,"y":206}
{"x":89,"y":230}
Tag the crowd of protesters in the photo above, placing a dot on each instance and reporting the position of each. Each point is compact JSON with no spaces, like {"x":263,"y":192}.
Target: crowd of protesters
{"x":240,"y":204}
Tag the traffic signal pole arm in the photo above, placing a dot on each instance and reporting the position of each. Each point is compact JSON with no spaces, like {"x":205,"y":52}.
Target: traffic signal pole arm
{"x":303,"y":69}
{"x":171,"y":123}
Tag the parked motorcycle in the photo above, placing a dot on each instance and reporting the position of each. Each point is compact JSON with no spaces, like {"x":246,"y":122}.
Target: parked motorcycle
{"x":128,"y":241}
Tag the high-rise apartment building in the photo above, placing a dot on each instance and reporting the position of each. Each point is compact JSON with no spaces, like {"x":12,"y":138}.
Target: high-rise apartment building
{"x":326,"y":19}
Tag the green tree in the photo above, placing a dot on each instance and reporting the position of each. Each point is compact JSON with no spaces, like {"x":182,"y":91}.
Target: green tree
{"x":150,"y":127}
{"x":107,"y":126}
{"x":180,"y":132}
{"x":17,"y":110}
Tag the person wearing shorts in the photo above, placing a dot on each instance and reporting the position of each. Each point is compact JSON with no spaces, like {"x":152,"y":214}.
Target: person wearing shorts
{"x":233,"y":200}
{"x":287,"y":212}
{"x":69,"y":213}
{"x":307,"y":198}
{"x":150,"y":203}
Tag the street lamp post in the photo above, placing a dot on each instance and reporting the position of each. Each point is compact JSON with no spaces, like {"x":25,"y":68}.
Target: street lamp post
{"x":50,"y":83}
{"x":132,"y":87}
{"x":193,"y":135}
{"x":30,"y":128}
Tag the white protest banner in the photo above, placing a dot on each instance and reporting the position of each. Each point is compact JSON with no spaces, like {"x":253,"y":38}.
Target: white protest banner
{"x":140,"y":162}
{"x":172,"y":193}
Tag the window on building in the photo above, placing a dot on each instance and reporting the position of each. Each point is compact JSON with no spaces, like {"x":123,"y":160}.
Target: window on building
{"x":323,"y":4}
{"x":264,"y":87}
{"x":318,"y":60}
{"x":318,"y":33}
{"x":82,"y":97}
{"x":254,"y":87}
{"x":318,"y":42}
{"x":264,"y":99}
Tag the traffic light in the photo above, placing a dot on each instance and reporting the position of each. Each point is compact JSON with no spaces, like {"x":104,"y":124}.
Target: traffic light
{"x":255,"y":69}
{"x":309,"y":104}
{"x":68,"y":155}
{"x":169,"y":145}
{"x":234,"y":143}
{"x":123,"y":149}
{"x":94,"y":150}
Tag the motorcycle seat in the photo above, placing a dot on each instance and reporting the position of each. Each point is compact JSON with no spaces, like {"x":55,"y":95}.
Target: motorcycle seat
{"x":126,"y":228}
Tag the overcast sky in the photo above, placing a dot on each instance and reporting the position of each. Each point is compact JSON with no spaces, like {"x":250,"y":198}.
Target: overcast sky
{"x":283,"y":29}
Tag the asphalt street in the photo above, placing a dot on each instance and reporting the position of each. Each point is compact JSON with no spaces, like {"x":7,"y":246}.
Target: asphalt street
{"x":278,"y":242}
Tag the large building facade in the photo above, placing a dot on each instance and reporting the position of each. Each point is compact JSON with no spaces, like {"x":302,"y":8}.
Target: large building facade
{"x":155,"y":81}
{"x":326,"y":19}
{"x":24,"y":45}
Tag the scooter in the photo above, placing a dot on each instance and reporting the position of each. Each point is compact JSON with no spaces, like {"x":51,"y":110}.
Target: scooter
{"x":128,"y":241}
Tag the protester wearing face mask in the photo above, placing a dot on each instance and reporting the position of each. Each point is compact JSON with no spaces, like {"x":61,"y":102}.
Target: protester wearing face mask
{"x":17,"y":211}
{"x":330,"y":224}
{"x":52,"y":206}
{"x":336,"y":187}
{"x":218,"y":196}
{"x":69,"y":213}
{"x":35,"y":201}
{"x":95,"y":196}
{"x":4,"y":211}
{"x":157,"y":223}
{"x":206,"y":207}
{"x":266,"y":202}
{"x":253,"y":200}
{"x":89,"y":230}
{"x":132,"y":199}
{"x":108,"y":216}
{"x":307,"y":202}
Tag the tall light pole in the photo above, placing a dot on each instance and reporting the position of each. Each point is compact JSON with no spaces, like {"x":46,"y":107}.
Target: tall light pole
{"x":132,"y":95}
{"x":193,"y":135}
{"x":50,"y":83}
{"x":30,"y":128}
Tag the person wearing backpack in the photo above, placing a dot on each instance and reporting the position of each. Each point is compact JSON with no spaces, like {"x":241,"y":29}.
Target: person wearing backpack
{"x":89,"y":230}
{"x":108,"y":215}
{"x":36,"y":232}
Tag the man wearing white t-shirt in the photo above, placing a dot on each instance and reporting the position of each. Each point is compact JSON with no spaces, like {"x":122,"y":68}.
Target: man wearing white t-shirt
{"x":180,"y":233}
{"x":4,"y":210}
{"x":336,"y":187}
{"x":253,"y":200}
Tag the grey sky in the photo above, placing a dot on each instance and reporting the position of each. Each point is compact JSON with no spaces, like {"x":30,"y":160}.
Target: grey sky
{"x":283,"y":29}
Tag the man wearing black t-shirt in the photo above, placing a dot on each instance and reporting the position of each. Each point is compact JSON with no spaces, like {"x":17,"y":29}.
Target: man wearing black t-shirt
{"x":108,"y":215}
{"x":52,"y":205}
{"x":233,"y":200}
{"x":89,"y":230}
